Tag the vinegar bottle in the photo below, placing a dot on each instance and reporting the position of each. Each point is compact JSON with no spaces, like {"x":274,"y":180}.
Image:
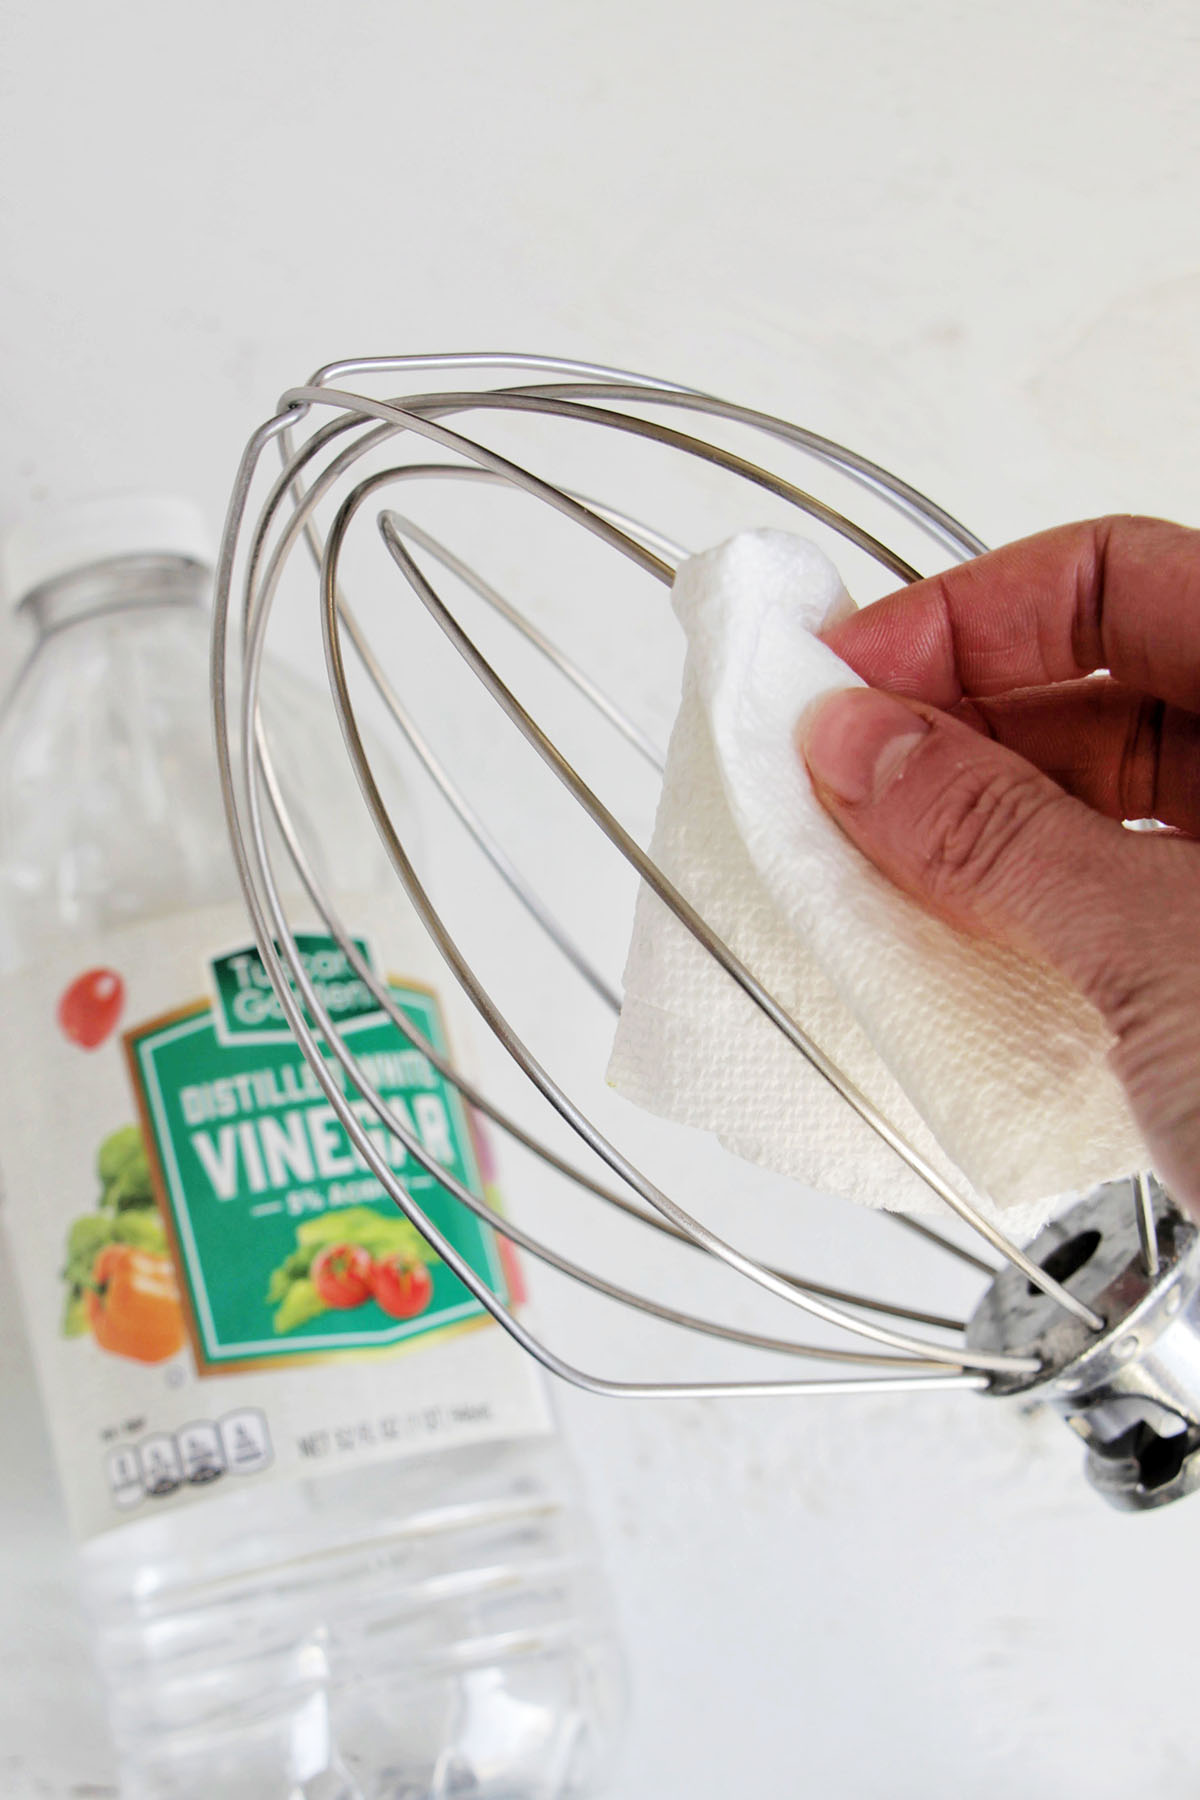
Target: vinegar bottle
{"x":329,"y":1539}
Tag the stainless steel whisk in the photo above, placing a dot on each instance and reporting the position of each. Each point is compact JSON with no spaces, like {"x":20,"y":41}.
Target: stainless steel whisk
{"x":1100,"y":1315}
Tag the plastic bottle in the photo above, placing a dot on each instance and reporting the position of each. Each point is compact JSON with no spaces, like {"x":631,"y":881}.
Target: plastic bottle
{"x":416,"y":1615}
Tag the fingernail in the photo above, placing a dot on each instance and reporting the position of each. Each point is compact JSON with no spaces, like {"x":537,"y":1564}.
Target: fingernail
{"x":856,"y":741}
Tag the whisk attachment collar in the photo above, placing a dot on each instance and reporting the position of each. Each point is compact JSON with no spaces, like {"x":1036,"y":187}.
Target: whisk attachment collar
{"x":1133,"y":1392}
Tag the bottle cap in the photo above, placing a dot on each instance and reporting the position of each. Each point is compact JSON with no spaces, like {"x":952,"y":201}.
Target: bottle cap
{"x":62,"y":540}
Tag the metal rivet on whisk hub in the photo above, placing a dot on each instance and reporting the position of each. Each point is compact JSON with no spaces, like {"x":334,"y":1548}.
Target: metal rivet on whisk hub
{"x":1131,"y":1393}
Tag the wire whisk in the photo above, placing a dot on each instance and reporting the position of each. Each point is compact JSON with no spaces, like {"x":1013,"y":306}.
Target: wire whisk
{"x":329,"y":434}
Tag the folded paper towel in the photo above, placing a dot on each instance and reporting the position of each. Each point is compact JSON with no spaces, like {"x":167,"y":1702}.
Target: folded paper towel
{"x":991,"y":1066}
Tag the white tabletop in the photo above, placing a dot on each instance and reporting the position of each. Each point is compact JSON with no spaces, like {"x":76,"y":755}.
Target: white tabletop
{"x":964,"y":239}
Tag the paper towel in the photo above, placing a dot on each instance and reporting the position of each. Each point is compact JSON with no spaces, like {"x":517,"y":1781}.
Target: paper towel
{"x":990,"y":1065}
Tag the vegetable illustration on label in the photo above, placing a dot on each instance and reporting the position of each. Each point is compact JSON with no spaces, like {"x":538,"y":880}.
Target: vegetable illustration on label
{"x":120,"y":1280}
{"x":133,"y":1304}
{"x":89,"y":1009}
{"x":342,"y":1275}
{"x":403,"y":1289}
{"x":345,"y":1260}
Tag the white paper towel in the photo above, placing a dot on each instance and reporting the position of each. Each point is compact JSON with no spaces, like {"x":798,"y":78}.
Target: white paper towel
{"x":979,"y":1057}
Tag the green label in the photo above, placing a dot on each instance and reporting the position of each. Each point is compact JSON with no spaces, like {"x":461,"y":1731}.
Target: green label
{"x":286,"y":1243}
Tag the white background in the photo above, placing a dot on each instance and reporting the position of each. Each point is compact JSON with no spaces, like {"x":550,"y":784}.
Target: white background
{"x":964,"y":238}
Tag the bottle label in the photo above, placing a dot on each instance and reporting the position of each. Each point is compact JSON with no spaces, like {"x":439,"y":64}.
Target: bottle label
{"x":217,"y":1284}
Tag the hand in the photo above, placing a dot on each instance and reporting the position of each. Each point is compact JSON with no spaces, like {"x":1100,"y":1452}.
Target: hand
{"x":990,"y":780}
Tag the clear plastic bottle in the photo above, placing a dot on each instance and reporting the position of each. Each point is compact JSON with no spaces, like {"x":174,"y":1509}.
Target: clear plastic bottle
{"x":421,"y":1625}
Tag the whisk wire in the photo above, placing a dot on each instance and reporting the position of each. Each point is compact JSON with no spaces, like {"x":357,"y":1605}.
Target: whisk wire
{"x":485,"y":840}
{"x":482,"y":999}
{"x":256,"y":616}
{"x":253,"y":783}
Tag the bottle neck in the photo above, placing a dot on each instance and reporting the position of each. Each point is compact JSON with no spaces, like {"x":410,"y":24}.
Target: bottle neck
{"x":120,"y":584}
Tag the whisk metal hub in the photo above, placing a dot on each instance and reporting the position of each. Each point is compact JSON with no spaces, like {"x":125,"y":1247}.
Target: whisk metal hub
{"x":1131,"y":1392}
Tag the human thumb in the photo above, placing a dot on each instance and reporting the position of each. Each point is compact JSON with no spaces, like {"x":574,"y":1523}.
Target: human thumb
{"x":983,"y":839}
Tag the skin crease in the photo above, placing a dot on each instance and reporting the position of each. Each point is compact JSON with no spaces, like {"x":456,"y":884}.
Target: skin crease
{"x":1035,"y":698}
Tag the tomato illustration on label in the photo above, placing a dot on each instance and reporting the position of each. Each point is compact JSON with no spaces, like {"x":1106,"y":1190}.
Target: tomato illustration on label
{"x":341,"y":1274}
{"x":403,"y":1289}
{"x":88,"y":1010}
{"x":337,"y":1263}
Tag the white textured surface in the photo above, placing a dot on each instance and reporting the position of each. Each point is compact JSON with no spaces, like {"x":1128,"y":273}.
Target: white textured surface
{"x":984,"y":1061}
{"x":962,"y":238}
